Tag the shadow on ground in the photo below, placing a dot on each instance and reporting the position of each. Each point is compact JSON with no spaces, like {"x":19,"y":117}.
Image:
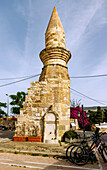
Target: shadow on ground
{"x":7,"y":134}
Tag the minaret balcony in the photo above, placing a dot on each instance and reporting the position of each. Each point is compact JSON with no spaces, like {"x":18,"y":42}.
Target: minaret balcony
{"x":55,"y":55}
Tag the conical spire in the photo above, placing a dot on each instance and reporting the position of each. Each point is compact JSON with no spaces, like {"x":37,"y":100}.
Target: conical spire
{"x":55,"y":52}
{"x":55,"y":35}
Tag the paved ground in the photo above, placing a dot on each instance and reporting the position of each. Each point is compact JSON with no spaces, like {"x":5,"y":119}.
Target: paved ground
{"x":6,"y":134}
{"x":15,"y":159}
{"x":89,"y":133}
{"x":9,"y":161}
{"x":103,"y":166}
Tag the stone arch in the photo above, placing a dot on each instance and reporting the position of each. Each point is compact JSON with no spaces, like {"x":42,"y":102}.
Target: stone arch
{"x":50,"y":125}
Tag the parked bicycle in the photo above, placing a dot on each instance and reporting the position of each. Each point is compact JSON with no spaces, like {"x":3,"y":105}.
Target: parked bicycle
{"x":81,"y":153}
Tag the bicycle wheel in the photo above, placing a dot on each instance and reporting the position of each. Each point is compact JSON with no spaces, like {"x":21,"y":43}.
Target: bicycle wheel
{"x":104,"y":153}
{"x":68,"y":152}
{"x":79,"y":155}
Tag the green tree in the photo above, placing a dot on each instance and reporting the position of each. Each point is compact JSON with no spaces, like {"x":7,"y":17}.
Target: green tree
{"x":105,"y":115}
{"x":17,"y":102}
{"x":96,"y":117}
{"x":92,"y":117}
{"x":99,"y":115}
{"x":2,"y":112}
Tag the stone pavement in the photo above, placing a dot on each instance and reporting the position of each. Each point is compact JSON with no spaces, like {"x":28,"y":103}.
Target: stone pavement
{"x":10,"y":161}
{"x":103,"y":166}
{"x":37,"y":149}
{"x":52,"y":151}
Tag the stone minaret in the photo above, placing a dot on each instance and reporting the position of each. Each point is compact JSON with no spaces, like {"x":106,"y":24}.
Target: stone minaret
{"x":47,"y":105}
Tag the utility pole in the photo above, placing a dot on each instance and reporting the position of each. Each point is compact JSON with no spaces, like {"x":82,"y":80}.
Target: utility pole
{"x":83,"y":122}
{"x":7,"y":107}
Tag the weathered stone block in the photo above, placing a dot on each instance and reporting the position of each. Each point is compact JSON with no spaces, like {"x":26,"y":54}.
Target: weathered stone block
{"x":61,"y":127}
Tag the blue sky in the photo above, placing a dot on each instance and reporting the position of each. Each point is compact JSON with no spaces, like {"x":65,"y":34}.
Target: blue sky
{"x":22,"y":36}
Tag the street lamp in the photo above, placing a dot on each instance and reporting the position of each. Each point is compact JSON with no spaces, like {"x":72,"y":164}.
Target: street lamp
{"x":7,"y":107}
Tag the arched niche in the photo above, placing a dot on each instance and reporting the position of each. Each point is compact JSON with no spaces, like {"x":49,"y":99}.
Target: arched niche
{"x":50,"y":125}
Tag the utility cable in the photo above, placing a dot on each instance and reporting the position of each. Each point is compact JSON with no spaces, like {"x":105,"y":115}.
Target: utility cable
{"x":11,"y":78}
{"x":100,"y":75}
{"x":87,"y":96}
{"x":19,"y":80}
{"x":70,"y":88}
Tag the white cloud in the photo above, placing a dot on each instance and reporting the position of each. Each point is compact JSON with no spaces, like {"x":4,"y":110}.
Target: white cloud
{"x":82,"y":18}
{"x":101,"y":68}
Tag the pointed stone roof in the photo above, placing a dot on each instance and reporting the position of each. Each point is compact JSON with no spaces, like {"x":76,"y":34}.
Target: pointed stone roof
{"x":55,"y":35}
{"x":55,"y":51}
{"x":54,"y":21}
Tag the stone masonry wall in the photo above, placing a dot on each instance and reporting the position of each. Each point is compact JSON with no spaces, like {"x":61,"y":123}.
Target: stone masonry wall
{"x":53,"y":89}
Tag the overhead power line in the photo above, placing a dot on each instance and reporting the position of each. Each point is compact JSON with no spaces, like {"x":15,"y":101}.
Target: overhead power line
{"x":12,"y":78}
{"x":92,"y":76}
{"x":100,"y":75}
{"x":18,"y":81}
{"x":3,"y":85}
{"x":88,"y":97}
{"x":75,"y":93}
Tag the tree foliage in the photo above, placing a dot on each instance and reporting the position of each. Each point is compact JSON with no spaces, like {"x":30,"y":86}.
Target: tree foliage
{"x":99,"y":115}
{"x":96,"y":117}
{"x":15,"y":110}
{"x":2,"y":112}
{"x":105,"y":115}
{"x":92,"y":117}
{"x":17,"y":102}
{"x":3,"y":105}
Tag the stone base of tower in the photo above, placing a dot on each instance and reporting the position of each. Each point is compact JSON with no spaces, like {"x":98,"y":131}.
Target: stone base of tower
{"x":46,"y":110}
